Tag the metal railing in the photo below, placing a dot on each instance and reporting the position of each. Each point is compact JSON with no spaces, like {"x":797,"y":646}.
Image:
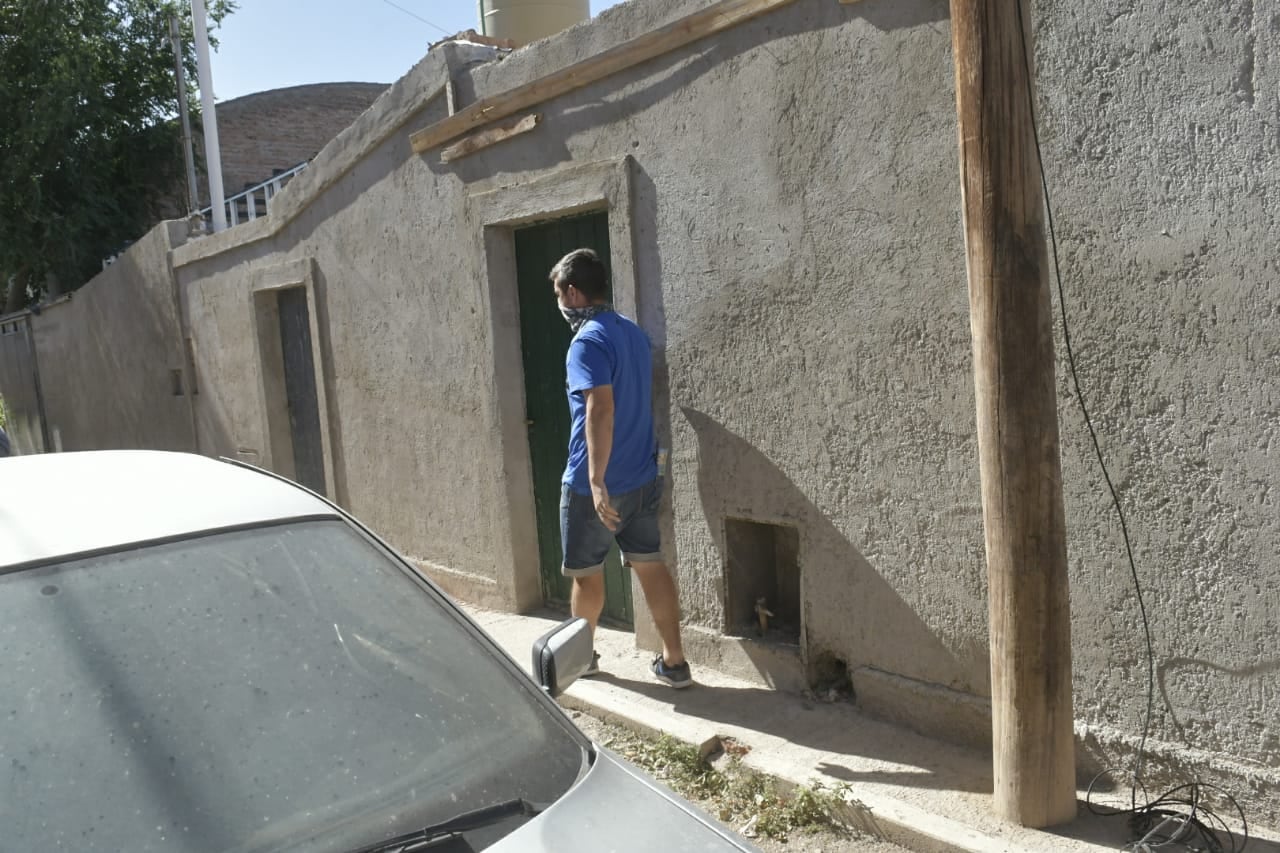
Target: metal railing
{"x":242,"y":207}
{"x":248,"y":205}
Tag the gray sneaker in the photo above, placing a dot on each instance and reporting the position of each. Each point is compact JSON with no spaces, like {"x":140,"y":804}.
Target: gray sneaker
{"x":594,"y":667}
{"x":678,"y":677}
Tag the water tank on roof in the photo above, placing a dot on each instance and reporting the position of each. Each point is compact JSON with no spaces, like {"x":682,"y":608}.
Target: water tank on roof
{"x":525,"y":21}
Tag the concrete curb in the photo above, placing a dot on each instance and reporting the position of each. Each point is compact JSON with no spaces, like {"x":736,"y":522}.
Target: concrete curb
{"x":902,"y":787}
{"x":878,"y":816}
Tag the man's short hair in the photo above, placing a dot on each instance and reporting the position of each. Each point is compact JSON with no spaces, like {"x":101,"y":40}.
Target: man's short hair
{"x":583,"y":269}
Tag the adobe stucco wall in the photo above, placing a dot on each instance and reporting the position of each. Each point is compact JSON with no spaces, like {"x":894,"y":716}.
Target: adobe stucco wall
{"x":790,"y":194}
{"x":107,"y":355}
{"x":1161,"y":143}
{"x":403,"y":340}
{"x":19,"y":385}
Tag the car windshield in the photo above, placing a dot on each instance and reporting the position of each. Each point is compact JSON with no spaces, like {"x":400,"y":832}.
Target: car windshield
{"x":289,"y":687}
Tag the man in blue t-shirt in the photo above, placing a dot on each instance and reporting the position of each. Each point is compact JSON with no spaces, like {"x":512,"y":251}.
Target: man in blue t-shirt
{"x":612,"y":487}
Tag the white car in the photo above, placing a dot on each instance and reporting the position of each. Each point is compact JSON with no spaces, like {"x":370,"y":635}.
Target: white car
{"x":200,"y":656}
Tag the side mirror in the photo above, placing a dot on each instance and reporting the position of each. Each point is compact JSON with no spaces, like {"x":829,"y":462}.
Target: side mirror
{"x":562,"y":654}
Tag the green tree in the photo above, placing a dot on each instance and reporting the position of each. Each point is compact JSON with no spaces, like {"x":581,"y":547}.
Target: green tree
{"x":89,"y":147}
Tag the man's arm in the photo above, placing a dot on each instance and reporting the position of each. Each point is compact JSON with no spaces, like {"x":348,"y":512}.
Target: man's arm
{"x":599,"y":447}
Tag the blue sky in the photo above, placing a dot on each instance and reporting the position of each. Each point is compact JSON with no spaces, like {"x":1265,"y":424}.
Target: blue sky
{"x":266,"y":44}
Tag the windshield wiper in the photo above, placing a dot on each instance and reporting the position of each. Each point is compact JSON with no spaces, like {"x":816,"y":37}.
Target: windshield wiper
{"x":455,"y":826}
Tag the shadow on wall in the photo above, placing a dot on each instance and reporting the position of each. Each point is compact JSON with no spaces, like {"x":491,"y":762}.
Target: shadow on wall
{"x":849,"y":611}
{"x":328,"y":375}
{"x":1267,"y":749}
{"x":216,"y":399}
{"x":108,"y":358}
{"x":212,"y":393}
{"x":651,"y":314}
{"x":917,"y":762}
{"x":888,"y":15}
{"x":913,"y":761}
{"x":213,"y":433}
{"x":591,"y":107}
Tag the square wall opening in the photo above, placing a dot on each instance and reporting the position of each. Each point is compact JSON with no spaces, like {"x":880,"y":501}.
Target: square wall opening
{"x":762,"y":581}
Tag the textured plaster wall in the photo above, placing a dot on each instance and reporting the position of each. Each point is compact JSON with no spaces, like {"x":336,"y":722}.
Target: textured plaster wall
{"x":403,"y":338}
{"x":107,"y":354}
{"x":800,"y":261}
{"x":799,"y":264}
{"x":816,"y":346}
{"x":1161,"y":145}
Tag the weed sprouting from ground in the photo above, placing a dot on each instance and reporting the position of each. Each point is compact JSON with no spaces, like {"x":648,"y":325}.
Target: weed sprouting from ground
{"x":738,"y":796}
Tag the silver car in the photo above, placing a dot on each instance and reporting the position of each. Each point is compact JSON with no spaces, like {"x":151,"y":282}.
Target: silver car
{"x":199,"y":656}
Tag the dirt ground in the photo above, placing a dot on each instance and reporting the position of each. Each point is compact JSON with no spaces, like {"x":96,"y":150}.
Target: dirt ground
{"x":826,"y":843}
{"x":822,"y":841}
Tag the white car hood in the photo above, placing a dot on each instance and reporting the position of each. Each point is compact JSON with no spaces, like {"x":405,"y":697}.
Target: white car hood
{"x":615,"y":809}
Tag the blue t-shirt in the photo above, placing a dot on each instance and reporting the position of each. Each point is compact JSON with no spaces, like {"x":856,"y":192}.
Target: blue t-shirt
{"x":610,"y":349}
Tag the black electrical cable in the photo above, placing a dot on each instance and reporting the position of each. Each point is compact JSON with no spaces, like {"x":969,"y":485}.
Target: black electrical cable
{"x":1084,"y":409}
{"x":413,"y":14}
{"x":1148,"y":821}
{"x":1180,"y":817}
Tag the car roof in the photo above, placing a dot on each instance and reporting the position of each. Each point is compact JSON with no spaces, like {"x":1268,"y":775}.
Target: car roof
{"x":58,"y":504}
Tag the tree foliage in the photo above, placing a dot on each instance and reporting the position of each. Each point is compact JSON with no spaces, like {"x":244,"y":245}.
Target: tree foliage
{"x":89,"y":143}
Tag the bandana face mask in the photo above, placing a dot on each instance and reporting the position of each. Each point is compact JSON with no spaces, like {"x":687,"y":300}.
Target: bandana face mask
{"x":575,"y":317}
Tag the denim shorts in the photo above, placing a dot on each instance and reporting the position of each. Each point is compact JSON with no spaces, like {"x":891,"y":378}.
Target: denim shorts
{"x":587,"y":541}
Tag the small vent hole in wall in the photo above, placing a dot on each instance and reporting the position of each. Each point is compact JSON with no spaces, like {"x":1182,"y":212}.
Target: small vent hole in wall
{"x":762,"y":579}
{"x":829,"y":678}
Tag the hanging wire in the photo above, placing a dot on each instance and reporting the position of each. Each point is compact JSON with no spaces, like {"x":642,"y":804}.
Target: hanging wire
{"x":1180,"y":816}
{"x":413,"y":14}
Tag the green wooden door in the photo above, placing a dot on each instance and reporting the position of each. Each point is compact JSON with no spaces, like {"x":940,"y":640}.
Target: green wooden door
{"x":545,"y":337}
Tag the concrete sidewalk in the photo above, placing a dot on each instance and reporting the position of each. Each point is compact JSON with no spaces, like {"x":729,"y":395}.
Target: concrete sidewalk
{"x":922,"y":794}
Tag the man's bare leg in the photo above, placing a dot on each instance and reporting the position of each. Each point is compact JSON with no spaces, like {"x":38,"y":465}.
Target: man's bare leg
{"x":587,"y":599}
{"x":664,"y":604}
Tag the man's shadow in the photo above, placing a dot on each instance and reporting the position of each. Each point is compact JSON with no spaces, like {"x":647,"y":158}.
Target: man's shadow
{"x":850,"y":612}
{"x":825,"y":727}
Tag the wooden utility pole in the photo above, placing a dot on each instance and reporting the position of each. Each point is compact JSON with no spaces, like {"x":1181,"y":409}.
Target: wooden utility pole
{"x":1010,"y":316}
{"x":193,"y":192}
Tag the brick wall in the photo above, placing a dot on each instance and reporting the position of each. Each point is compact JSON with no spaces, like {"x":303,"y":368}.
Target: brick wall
{"x":276,"y":130}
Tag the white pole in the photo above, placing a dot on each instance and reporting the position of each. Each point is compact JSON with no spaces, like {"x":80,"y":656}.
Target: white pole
{"x":212,"y":154}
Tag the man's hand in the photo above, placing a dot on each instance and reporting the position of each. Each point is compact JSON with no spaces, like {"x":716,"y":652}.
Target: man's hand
{"x":608,"y":515}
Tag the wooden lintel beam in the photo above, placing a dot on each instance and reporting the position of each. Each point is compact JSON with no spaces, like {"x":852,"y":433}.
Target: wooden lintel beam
{"x":490,"y":136}
{"x":713,"y":19}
